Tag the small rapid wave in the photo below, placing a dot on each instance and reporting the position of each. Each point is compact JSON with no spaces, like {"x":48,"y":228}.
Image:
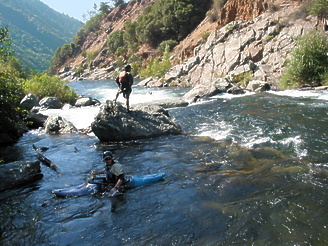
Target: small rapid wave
{"x":310,"y":94}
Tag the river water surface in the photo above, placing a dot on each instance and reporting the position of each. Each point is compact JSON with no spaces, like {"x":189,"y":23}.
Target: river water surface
{"x":248,"y":170}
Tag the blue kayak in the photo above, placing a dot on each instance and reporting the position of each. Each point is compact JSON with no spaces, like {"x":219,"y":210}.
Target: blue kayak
{"x":94,"y":185}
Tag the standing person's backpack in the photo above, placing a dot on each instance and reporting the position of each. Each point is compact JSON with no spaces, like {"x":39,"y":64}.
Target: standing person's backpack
{"x":123,"y":79}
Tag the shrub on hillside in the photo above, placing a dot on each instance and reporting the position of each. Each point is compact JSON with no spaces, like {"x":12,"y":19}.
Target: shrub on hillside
{"x":158,"y":66}
{"x":47,"y":86}
{"x":169,"y":19}
{"x":115,"y":41}
{"x":309,"y":62}
{"x":170,"y":43}
{"x":319,"y":8}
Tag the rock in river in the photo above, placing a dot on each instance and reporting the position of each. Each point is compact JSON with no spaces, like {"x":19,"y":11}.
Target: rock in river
{"x":114,"y":123}
{"x":19,"y":173}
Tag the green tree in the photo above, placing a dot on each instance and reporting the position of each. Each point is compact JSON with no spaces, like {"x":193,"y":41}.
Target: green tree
{"x":319,"y":8}
{"x":158,"y":67}
{"x":115,"y":41}
{"x":61,"y":55}
{"x":10,"y":89}
{"x":116,"y":3}
{"x":5,"y":44}
{"x":129,"y":36}
{"x":170,"y":43}
{"x":309,"y":62}
{"x":104,"y":8}
{"x":170,"y":19}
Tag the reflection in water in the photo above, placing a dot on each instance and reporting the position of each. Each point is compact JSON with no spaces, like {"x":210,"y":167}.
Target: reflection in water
{"x":249,"y":170}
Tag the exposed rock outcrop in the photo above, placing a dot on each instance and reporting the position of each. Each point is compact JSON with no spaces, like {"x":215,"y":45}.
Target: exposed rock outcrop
{"x":113,"y":123}
{"x":258,"y":48}
{"x":19,"y":173}
{"x":221,"y":85}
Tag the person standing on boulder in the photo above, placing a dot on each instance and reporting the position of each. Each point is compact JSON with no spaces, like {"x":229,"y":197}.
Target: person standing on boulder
{"x":125,"y":81}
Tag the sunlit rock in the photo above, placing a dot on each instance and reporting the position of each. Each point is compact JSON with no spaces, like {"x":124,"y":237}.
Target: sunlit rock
{"x":50,"y":102}
{"x":58,"y":124}
{"x":84,"y":101}
{"x":114,"y":123}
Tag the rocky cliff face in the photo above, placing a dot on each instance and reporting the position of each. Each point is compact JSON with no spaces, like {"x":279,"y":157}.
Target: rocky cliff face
{"x":233,"y":10}
{"x":257,"y":48}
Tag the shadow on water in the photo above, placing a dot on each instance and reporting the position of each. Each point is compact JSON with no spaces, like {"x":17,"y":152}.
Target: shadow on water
{"x":248,"y":171}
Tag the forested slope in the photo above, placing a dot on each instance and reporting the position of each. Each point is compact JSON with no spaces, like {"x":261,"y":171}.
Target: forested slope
{"x":36,"y":30}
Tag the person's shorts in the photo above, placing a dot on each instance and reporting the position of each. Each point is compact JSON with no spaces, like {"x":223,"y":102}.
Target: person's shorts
{"x":126,"y":92}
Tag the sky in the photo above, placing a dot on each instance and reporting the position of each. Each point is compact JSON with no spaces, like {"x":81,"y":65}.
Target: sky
{"x":73,"y":8}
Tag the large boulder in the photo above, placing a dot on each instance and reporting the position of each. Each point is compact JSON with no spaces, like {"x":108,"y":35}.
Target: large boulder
{"x":36,"y":120}
{"x":19,"y":173}
{"x":220,"y":85}
{"x":50,"y":102}
{"x":58,"y":124}
{"x":163,"y":103}
{"x":114,"y":123}
{"x":257,"y":85}
{"x":84,"y":101}
{"x":29,"y":101}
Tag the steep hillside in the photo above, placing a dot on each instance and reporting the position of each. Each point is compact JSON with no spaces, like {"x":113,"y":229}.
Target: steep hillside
{"x":217,"y":17}
{"x":247,"y":52}
{"x":233,"y":35}
{"x":102,"y":66}
{"x":93,"y":56}
{"x":36,"y":30}
{"x":96,"y":41}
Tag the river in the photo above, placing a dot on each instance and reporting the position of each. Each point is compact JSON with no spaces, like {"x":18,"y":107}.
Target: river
{"x":248,"y":170}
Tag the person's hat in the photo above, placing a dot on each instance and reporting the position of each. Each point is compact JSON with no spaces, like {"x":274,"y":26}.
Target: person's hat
{"x":107,"y":154}
{"x":127,"y":67}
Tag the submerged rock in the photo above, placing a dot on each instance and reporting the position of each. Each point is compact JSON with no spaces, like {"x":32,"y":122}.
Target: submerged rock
{"x":19,"y":173}
{"x":114,"y":123}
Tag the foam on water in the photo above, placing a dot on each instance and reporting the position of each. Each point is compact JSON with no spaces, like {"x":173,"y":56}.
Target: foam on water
{"x":296,"y":143}
{"x":312,"y":94}
{"x":106,"y":90}
{"x":217,"y":131}
{"x":232,"y":96}
{"x":80,"y":117}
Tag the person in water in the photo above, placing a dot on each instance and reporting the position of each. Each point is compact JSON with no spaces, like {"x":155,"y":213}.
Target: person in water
{"x":125,"y":81}
{"x":114,"y":172}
